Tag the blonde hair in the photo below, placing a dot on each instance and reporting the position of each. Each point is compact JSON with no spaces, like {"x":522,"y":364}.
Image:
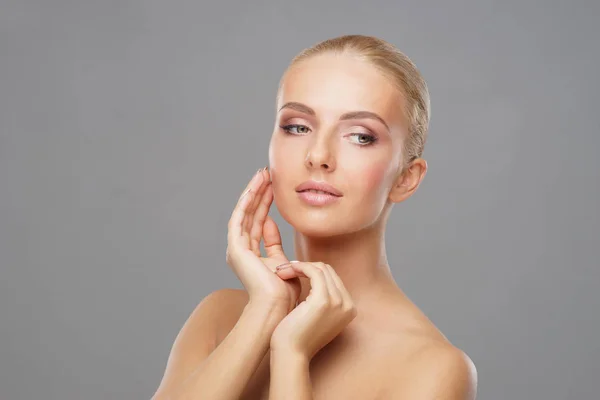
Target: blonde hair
{"x":395,"y":65}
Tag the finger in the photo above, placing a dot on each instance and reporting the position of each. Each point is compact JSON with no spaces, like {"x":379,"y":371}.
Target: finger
{"x":318,"y":284}
{"x":264,"y":182}
{"x":235,"y":222}
{"x":338,"y":293}
{"x":257,"y":185}
{"x":235,"y":228}
{"x":268,"y":175}
{"x":260,"y":216}
{"x":286,"y":272}
{"x":337,"y":280}
{"x":346,"y":298}
{"x":347,"y":301}
{"x":257,"y":200}
{"x":334,"y":292}
{"x":272,"y":239}
{"x":251,"y":184}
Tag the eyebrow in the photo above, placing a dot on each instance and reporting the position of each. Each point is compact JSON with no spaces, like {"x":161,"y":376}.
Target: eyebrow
{"x":303,"y":108}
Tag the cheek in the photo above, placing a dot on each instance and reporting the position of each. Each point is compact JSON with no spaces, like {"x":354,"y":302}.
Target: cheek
{"x":284,"y":162}
{"x":375,"y":177}
{"x":370,"y":178}
{"x":281,"y":152}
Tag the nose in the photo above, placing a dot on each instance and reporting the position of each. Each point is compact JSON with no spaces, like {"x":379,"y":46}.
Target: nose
{"x":320,"y":155}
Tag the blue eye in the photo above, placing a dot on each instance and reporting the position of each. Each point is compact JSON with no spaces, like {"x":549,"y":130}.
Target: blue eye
{"x":300,"y":129}
{"x":363,"y":139}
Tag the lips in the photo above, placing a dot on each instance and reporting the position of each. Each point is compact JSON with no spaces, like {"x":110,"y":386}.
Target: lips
{"x":319,"y":188}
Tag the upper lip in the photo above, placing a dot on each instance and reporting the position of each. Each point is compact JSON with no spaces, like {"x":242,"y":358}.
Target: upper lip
{"x":322,"y":186}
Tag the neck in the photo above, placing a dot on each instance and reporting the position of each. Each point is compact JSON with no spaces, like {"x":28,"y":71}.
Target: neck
{"x":359,"y":259}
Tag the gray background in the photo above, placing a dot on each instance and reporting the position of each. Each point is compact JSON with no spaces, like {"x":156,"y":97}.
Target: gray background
{"x":128,"y":129}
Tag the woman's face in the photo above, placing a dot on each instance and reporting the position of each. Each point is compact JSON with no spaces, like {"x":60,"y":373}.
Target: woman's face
{"x":339,"y":121}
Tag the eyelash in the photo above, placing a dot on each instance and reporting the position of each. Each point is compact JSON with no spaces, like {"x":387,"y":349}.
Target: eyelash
{"x":372,"y":139}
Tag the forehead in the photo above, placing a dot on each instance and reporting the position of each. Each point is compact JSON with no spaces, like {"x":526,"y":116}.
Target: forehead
{"x":335,"y":84}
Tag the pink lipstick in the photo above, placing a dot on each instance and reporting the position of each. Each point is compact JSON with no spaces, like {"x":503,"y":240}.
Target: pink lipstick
{"x":318,"y":193}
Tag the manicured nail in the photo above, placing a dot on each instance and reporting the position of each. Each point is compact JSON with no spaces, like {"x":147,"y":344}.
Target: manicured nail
{"x":282,"y":266}
{"x":285,"y":265}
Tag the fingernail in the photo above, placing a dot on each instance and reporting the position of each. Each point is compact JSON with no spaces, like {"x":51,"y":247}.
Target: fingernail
{"x":285,"y":265}
{"x":282,"y":266}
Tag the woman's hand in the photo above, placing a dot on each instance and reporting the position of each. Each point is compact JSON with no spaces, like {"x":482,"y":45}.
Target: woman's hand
{"x":249,"y":224}
{"x":327,"y":310}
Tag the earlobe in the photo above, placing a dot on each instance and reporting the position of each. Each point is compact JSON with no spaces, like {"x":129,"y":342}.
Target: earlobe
{"x":408,"y":181}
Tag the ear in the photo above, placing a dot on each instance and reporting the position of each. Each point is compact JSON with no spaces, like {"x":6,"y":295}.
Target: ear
{"x":408,"y":181}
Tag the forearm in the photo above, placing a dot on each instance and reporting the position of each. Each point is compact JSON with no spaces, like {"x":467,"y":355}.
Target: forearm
{"x":290,"y":377}
{"x":225,"y":373}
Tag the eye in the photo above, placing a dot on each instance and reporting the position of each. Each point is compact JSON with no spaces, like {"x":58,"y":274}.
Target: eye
{"x":300,"y":129}
{"x":363,"y":139}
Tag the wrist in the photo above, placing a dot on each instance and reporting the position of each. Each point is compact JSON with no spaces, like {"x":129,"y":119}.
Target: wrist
{"x":288,"y":357}
{"x":290,"y":375}
{"x":269,"y":311}
{"x":288,"y":353}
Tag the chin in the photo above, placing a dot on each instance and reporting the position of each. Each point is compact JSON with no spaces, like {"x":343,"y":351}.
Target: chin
{"x":319,"y":222}
{"x":318,"y":229}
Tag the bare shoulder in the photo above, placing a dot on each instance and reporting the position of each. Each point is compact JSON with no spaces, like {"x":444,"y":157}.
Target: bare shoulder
{"x":210,"y":321}
{"x":215,"y":314}
{"x":204,"y":327}
{"x":421,"y":362}
{"x":435,"y":368}
{"x":223,"y":308}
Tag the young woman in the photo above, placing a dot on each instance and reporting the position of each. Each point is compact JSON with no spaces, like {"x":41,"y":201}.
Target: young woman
{"x":352,"y":118}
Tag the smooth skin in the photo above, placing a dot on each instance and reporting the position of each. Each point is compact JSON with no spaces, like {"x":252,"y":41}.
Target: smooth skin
{"x":332,"y":324}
